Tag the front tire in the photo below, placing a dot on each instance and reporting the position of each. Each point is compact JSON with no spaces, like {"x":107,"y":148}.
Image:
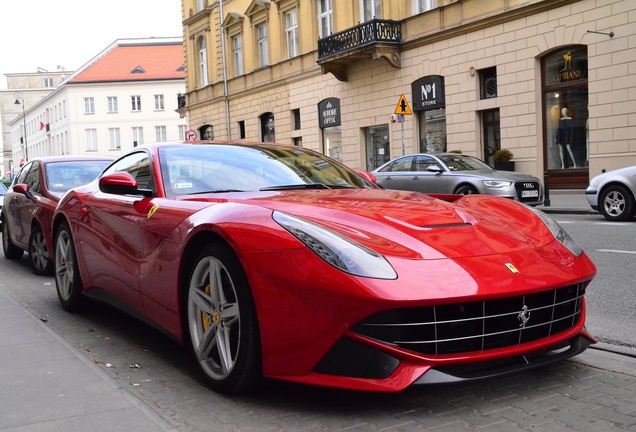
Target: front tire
{"x":39,"y":253}
{"x":67,"y":278}
{"x":465,"y":190}
{"x":11,"y":251}
{"x":617,"y":203}
{"x":222,"y":322}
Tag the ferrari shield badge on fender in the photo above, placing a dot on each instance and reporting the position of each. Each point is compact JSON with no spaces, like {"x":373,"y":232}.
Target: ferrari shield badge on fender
{"x":152,"y":211}
{"x":512,"y":268}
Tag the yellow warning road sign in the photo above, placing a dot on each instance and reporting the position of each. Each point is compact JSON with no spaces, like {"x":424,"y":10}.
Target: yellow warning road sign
{"x":403,"y":107}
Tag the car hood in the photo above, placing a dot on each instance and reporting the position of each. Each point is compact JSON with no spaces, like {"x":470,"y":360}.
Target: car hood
{"x":498,"y":175}
{"x":410,"y":224}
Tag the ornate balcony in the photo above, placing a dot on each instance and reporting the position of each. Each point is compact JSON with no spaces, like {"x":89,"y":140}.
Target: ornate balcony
{"x":370,"y":40}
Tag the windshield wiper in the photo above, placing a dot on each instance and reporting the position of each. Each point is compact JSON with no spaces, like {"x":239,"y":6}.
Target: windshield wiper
{"x":301,"y":186}
{"x":215,"y":191}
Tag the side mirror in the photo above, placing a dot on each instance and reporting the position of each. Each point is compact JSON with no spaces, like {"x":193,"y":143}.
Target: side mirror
{"x":434,"y":168}
{"x":367,"y":176}
{"x":122,"y":183}
{"x":22,"y":189}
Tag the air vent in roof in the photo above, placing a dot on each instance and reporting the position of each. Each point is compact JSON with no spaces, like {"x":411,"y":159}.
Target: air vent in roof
{"x":181,"y":68}
{"x":138,"y":70}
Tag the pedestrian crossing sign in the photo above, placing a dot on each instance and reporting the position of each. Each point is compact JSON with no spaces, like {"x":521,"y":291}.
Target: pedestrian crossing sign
{"x":403,"y":107}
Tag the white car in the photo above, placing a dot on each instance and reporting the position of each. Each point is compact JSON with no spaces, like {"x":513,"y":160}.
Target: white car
{"x":3,"y":192}
{"x":612,"y":194}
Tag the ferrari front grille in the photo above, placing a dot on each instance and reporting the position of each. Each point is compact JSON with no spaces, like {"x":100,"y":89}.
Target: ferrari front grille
{"x":477,"y":326}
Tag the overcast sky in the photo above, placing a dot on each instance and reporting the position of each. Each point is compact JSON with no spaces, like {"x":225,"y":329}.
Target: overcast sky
{"x":68,"y":33}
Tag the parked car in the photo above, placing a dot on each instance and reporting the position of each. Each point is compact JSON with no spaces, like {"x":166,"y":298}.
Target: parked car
{"x":3,"y":192}
{"x":276,"y":261}
{"x":31,"y":199}
{"x":613,"y":194}
{"x":453,"y":173}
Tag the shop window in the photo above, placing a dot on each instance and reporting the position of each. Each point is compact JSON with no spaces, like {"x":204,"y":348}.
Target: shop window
{"x":565,"y":100}
{"x":377,"y":146}
{"x":296,"y":119}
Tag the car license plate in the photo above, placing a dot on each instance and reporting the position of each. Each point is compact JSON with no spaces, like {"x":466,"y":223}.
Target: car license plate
{"x":530,"y":194}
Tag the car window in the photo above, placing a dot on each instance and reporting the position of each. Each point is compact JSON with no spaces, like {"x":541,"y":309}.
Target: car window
{"x":401,"y":165}
{"x":62,"y":176}
{"x":21,"y":176}
{"x":423,"y":162}
{"x":464,"y":163}
{"x":137,"y":165}
{"x":33,"y":180}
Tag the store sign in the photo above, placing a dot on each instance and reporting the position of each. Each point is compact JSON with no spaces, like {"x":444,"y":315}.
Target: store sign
{"x":329,"y":112}
{"x":567,"y":66}
{"x":428,"y":93}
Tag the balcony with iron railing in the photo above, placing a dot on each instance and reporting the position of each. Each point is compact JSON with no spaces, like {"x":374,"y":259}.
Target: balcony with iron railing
{"x":370,"y":40}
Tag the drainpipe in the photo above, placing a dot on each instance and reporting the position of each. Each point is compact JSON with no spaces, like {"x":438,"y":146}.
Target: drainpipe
{"x":225,"y":90}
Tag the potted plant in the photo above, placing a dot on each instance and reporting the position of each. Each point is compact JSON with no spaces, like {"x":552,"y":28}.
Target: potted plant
{"x":503,"y":160}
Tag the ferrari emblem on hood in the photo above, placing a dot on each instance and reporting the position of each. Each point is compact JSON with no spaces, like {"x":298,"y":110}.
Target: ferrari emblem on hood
{"x":512,"y":268}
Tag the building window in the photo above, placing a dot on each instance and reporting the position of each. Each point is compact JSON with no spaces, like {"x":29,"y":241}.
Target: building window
{"x":377,"y":146}
{"x":160,"y":134}
{"x":432,"y":130}
{"x":203,"y":62}
{"x":136,"y":103}
{"x":291,"y":30}
{"x":90,"y":136}
{"x":159,"y":105}
{"x":48,"y":82}
{"x":182,"y":132}
{"x":267,"y":127}
{"x":137,"y":136}
{"x":325,"y":18}
{"x":491,"y":134}
{"x":488,"y":83}
{"x":114,"y":140}
{"x":298,"y":141}
{"x":420,"y":6}
{"x":296,"y":119}
{"x":112,"y":104}
{"x":370,"y":9}
{"x":200,"y":5}
{"x":241,"y":129}
{"x":207,"y":132}
{"x":263,"y":52}
{"x":89,"y":105}
{"x":237,"y":54}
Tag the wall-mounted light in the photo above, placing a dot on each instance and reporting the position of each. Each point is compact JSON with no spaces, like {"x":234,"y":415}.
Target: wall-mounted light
{"x":471,"y":71}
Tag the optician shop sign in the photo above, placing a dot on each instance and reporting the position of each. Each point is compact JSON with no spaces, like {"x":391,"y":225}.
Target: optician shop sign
{"x":428,"y":93}
{"x":329,"y":112}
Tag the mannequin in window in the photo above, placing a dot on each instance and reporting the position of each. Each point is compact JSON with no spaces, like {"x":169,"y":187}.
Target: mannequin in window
{"x":430,"y":142}
{"x":209,"y":133}
{"x":564,"y":137}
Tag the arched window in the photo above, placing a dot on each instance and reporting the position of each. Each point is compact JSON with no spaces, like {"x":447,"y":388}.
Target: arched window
{"x":203,"y":62}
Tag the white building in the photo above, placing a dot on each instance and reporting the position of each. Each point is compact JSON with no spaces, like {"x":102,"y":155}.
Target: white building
{"x":127,"y":95}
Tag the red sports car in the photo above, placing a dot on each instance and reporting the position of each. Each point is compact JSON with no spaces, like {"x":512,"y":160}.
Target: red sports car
{"x":30,"y":202}
{"x":275,"y":261}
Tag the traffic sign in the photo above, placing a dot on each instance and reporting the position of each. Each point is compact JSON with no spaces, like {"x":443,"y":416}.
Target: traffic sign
{"x":403,"y":107}
{"x":191,"y":135}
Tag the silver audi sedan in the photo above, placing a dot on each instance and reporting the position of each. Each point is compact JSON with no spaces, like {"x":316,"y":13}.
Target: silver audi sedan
{"x":613,"y":194}
{"x":453,"y":173}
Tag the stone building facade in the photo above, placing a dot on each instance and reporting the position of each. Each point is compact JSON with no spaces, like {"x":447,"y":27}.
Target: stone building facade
{"x":475,"y":76}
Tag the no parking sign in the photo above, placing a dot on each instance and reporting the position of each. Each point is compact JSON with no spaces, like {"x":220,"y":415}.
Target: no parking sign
{"x":191,"y":135}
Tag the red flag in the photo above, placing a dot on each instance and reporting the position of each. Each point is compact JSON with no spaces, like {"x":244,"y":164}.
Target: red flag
{"x":41,"y":125}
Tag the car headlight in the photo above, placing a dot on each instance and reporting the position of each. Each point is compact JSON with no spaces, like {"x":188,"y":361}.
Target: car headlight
{"x":336,"y":250}
{"x":496,"y":183}
{"x":559,"y":232}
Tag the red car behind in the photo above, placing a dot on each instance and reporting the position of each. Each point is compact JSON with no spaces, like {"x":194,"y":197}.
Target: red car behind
{"x":31,"y":200}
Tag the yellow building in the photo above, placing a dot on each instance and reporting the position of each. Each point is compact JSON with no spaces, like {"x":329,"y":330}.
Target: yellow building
{"x":470,"y":75}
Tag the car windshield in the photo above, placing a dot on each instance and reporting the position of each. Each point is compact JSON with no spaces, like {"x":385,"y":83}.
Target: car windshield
{"x":464,"y":163}
{"x":191,"y":169}
{"x":62,"y":176}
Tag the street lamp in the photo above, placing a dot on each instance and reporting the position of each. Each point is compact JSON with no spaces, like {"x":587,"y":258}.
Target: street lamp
{"x":20,"y":97}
